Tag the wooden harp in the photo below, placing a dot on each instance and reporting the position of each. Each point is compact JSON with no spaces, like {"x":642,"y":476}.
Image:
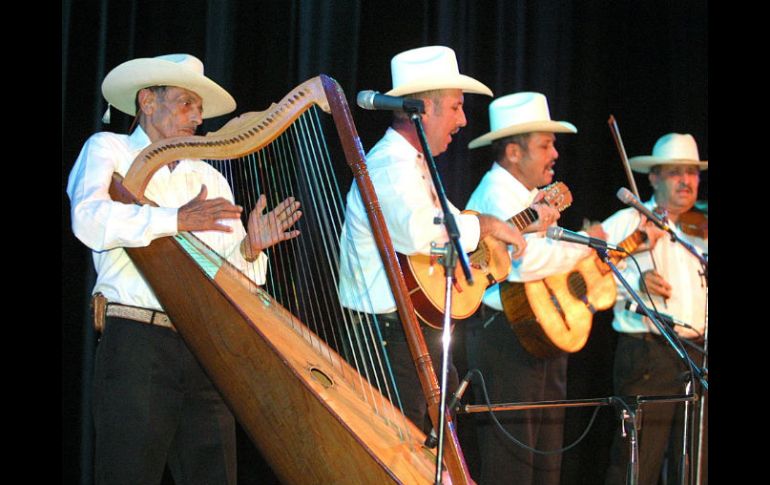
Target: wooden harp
{"x":315,"y":416}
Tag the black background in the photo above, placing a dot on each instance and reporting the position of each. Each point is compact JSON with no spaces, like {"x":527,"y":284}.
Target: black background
{"x":644,"y":62}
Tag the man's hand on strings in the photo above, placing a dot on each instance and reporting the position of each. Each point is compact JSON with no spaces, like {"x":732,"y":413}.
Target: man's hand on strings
{"x":267,"y":229}
{"x":653,"y":232}
{"x":656,"y":284}
{"x":594,"y":229}
{"x":492,"y":226}
{"x":206,"y":215}
{"x":546,"y":215}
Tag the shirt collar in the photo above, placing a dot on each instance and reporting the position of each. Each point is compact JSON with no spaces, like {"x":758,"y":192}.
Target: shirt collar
{"x":519,"y":190}
{"x":138,"y":140}
{"x":396,"y":138}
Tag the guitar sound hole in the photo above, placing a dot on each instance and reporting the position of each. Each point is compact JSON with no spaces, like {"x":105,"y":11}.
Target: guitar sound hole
{"x":577,"y":285}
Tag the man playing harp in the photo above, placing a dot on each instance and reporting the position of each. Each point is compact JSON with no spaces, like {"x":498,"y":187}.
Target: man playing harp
{"x":398,"y":171}
{"x":152,"y":400}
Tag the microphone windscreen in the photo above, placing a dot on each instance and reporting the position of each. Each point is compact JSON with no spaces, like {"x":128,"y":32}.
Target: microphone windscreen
{"x":625,"y":195}
{"x":365,"y":99}
{"x":553,"y":232}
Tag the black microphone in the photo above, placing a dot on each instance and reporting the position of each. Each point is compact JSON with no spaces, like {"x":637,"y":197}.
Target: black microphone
{"x":432,"y":439}
{"x":628,"y":198}
{"x":375,"y":100}
{"x":667,"y":319}
{"x":561,"y":234}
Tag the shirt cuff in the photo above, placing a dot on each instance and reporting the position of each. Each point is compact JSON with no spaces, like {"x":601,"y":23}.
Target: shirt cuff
{"x":470,"y":231}
{"x":167,"y":221}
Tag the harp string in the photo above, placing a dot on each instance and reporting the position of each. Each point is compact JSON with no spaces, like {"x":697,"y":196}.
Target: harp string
{"x":321,"y":192}
{"x":325,"y":190}
{"x":366,"y":335}
{"x":369,"y":338}
{"x":306,"y":266}
{"x":303,"y":272}
{"x":369,"y":341}
{"x":366,"y":358}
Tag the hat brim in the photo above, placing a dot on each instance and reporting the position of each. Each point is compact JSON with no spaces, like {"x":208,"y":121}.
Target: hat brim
{"x":643,"y":164}
{"x":531,"y":127}
{"x":460,"y":81}
{"x":123,"y":82}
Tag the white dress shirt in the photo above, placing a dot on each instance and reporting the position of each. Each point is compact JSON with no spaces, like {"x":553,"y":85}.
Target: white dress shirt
{"x":500,"y":194}
{"x":674,"y":263}
{"x":107,"y":226}
{"x":404,"y":191}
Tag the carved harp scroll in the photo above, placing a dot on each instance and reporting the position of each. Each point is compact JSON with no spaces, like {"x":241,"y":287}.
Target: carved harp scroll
{"x":313,"y":416}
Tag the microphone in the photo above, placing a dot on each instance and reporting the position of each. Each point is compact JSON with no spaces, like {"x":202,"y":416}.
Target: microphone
{"x":560,"y":234}
{"x":667,"y":319}
{"x":375,"y":100}
{"x":628,"y":198}
{"x":432,"y":439}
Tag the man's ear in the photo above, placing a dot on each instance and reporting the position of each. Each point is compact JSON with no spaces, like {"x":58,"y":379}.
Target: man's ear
{"x":428,"y":102}
{"x":512,"y":152}
{"x":146,"y":100}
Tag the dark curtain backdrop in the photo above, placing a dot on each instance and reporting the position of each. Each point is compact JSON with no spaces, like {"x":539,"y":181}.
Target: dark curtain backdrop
{"x":644,"y":62}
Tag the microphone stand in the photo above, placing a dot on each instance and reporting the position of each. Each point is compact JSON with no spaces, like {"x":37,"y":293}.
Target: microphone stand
{"x":666,"y":332}
{"x":699,"y":407}
{"x":699,"y":401}
{"x":451,"y":252}
{"x":689,"y":247}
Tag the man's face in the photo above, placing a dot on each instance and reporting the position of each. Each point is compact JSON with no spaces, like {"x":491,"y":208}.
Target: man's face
{"x":442,"y":119}
{"x":675,"y":186}
{"x":534,"y":167}
{"x":174,"y":112}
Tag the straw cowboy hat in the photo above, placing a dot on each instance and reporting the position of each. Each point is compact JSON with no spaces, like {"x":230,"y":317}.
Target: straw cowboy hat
{"x":182,"y":70}
{"x":429,"y":68}
{"x":670,"y":149}
{"x":520,"y":113}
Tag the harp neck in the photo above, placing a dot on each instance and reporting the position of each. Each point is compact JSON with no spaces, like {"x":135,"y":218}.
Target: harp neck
{"x":241,"y":135}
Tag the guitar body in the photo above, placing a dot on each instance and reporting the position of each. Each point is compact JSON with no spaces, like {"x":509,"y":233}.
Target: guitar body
{"x":425,"y":280}
{"x":555,"y":314}
{"x":490,"y":263}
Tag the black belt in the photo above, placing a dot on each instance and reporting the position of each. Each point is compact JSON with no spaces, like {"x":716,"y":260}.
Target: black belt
{"x":654,"y":337}
{"x":388,"y":317}
{"x":393,"y":318}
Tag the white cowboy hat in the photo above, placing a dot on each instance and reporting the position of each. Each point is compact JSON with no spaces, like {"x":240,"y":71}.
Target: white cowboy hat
{"x":182,"y":70}
{"x":518,"y":113}
{"x":429,"y":68}
{"x":670,"y":149}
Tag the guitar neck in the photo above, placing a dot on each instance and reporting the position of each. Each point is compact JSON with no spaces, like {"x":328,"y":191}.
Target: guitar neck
{"x":629,"y":244}
{"x":524,"y":218}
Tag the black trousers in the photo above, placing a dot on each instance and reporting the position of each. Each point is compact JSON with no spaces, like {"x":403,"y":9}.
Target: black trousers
{"x":153,"y":404}
{"x":647,"y":366}
{"x":513,"y":375}
{"x":404,"y":372}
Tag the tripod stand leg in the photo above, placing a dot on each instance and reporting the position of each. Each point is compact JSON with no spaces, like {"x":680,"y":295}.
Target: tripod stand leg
{"x":630,"y":423}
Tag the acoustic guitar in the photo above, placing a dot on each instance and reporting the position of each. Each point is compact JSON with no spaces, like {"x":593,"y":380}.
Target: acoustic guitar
{"x":555,"y":314}
{"x":490,"y":263}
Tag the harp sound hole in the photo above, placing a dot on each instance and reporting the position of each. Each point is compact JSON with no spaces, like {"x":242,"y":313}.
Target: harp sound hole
{"x":320,"y":377}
